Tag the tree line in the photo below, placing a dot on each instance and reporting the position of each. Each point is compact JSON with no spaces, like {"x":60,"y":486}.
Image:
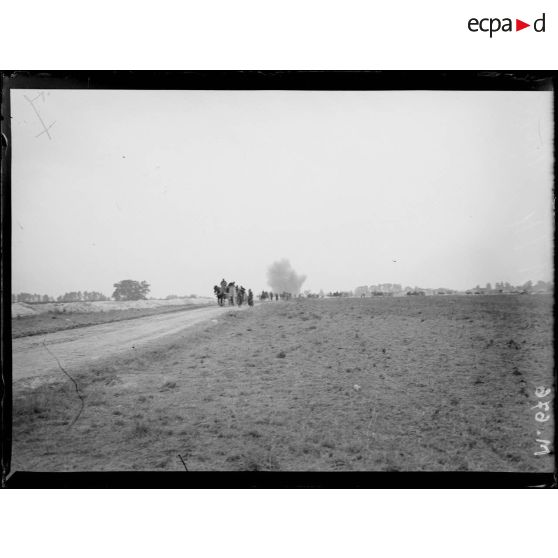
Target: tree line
{"x":127,"y":289}
{"x":505,"y":287}
{"x":74,"y":296}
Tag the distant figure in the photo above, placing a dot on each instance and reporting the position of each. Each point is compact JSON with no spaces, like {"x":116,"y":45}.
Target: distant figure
{"x":231,"y":293}
{"x":241,"y":292}
{"x":276,"y":297}
{"x":250,"y":298}
{"x":221,"y":292}
{"x":270,"y":296}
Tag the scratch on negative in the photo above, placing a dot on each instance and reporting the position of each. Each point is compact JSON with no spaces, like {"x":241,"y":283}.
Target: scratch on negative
{"x":45,"y":129}
{"x":82,"y":400}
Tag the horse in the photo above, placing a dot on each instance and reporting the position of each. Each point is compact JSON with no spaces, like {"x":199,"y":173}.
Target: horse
{"x":220,"y":295}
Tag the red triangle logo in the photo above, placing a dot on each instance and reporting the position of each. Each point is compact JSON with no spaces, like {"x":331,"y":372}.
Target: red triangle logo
{"x":519,"y":25}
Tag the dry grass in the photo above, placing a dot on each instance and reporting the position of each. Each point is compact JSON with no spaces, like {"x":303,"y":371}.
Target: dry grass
{"x":395,"y":384}
{"x":51,"y":322}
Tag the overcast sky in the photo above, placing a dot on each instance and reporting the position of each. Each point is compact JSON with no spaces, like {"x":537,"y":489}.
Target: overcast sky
{"x":183,"y":188}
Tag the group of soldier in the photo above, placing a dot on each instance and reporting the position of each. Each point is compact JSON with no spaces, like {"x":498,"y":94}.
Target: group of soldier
{"x":237,"y":295}
{"x":233,"y":293}
{"x":269,"y":295}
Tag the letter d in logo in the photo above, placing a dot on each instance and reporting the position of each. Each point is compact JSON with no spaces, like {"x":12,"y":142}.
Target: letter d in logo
{"x":539,"y":24}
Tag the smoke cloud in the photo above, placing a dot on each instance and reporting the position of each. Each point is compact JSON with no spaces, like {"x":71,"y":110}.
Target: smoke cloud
{"x":281,"y":277}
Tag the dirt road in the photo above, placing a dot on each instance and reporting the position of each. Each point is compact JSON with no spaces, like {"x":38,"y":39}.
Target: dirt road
{"x":81,"y":346}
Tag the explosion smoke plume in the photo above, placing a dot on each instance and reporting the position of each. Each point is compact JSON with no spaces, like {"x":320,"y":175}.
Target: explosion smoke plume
{"x":281,"y":277}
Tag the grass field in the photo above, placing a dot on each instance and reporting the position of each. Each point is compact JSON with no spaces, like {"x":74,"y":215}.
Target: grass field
{"x":51,"y":322}
{"x":411,"y":383}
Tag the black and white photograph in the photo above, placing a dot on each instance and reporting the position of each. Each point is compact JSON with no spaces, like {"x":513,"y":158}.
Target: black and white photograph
{"x":282,"y":279}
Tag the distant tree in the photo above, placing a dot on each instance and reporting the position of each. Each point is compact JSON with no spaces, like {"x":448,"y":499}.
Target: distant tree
{"x":130,"y":290}
{"x":488,"y":287}
{"x":30,"y":298}
{"x":94,"y":296}
{"x":543,"y":286}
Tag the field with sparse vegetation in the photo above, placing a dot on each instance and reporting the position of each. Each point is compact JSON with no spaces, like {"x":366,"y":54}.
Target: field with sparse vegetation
{"x":411,"y":383}
{"x":49,"y":322}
